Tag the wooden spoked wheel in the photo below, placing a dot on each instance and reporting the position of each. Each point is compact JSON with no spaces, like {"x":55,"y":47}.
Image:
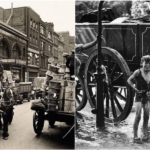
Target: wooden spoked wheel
{"x":81,"y":99}
{"x":117,"y":94}
{"x":38,"y":122}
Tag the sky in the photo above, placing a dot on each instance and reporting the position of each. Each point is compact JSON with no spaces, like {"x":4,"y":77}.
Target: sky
{"x":60,"y":12}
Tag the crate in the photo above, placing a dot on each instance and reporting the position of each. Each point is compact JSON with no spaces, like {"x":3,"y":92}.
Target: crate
{"x":61,"y":70}
{"x":54,"y":84}
{"x":68,"y":89}
{"x":52,"y":107}
{"x":69,"y":106}
{"x":54,"y":90}
{"x":51,"y":96}
{"x":58,"y":76}
{"x":70,"y":95}
{"x":54,"y":101}
{"x":71,"y":83}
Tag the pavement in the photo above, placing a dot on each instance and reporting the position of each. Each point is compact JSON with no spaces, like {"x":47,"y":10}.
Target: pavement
{"x":115,"y":136}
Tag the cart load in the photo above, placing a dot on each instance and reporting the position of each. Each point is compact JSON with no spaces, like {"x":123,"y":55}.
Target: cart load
{"x":61,"y":93}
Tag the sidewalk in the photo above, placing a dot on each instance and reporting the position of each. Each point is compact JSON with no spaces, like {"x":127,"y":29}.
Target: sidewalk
{"x":114,"y":137}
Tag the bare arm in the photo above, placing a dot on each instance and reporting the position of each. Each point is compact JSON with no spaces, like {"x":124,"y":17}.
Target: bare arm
{"x":131,"y":78}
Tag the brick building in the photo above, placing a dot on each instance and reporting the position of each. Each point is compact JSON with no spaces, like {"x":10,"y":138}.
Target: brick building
{"x":43,"y":40}
{"x":69,"y":43}
{"x":13,"y":50}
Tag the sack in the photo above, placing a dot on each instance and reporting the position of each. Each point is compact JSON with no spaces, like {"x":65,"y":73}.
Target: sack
{"x":37,"y":106}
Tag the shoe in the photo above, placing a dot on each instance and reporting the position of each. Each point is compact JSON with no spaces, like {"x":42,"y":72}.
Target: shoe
{"x":94,"y":111}
{"x":137,"y":140}
{"x":145,"y":138}
{"x":5,"y":138}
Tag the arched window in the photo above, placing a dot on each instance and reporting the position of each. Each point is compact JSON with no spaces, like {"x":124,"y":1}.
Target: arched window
{"x":16,"y":52}
{"x":3,"y":49}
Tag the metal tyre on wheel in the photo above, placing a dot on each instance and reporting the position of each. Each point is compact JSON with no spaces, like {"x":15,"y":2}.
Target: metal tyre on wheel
{"x":118,"y":99}
{"x":38,"y":122}
{"x":81,"y":99}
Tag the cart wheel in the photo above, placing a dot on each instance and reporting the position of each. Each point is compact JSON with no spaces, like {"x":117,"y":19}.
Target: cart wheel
{"x":118,"y":99}
{"x":21,"y":99}
{"x":38,"y":122}
{"x":28,"y":97}
{"x":81,"y":99}
{"x":52,"y":123}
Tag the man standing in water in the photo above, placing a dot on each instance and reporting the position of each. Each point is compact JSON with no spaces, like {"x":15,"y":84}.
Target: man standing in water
{"x":142,"y":97}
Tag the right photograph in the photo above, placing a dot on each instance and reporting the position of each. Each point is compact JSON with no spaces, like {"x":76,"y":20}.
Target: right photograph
{"x":112,"y":57}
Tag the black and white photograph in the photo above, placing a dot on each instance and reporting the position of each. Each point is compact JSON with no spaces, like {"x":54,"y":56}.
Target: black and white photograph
{"x":112,"y":74}
{"x":37,"y":77}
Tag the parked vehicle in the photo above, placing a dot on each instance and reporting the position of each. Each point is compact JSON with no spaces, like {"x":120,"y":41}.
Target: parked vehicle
{"x":125,"y":42}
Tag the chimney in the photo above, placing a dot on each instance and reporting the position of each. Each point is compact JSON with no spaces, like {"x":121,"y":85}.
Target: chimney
{"x":10,"y":14}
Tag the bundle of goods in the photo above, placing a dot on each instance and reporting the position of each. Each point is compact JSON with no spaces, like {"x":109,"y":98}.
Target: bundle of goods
{"x":38,"y":106}
{"x":69,"y":103}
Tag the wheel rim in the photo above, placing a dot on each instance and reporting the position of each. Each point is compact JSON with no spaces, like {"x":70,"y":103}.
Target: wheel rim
{"x":81,"y":99}
{"x":118,"y":100}
{"x":37,"y":123}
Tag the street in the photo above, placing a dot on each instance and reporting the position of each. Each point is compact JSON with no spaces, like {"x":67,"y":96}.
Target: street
{"x":118,"y":136}
{"x":22,"y":135}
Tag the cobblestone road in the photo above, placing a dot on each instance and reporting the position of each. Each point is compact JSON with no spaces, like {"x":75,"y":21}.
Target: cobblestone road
{"x":114,"y":137}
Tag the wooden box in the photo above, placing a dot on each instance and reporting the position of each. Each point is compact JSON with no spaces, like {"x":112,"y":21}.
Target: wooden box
{"x":54,"y":101}
{"x":70,"y":95}
{"x":52,"y":107}
{"x":54,"y":90}
{"x":69,"y":106}
{"x":68,"y":89}
{"x":54,"y":84}
{"x":58,"y":77}
{"x":71,"y":83}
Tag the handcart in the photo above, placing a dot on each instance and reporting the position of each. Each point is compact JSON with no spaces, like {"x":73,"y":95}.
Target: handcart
{"x":60,"y":104}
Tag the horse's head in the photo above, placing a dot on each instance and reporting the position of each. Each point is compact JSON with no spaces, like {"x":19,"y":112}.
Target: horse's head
{"x":7,"y":94}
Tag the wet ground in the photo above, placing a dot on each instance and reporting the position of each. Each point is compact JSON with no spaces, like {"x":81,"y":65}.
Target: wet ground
{"x":119,"y":136}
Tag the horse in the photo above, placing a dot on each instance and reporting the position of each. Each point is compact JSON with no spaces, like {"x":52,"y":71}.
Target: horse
{"x":6,"y":110}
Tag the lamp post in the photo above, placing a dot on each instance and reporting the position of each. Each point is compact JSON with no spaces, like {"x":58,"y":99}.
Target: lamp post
{"x":99,"y":76}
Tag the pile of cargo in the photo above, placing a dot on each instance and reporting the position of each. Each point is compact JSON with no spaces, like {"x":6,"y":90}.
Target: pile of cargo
{"x":61,"y":94}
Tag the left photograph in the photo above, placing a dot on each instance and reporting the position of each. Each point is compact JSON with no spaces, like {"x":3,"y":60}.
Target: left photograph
{"x":37,"y":87}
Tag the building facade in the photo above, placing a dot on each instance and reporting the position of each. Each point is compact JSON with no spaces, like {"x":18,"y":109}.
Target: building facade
{"x":69,"y":43}
{"x":13,"y":50}
{"x":42,"y":41}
